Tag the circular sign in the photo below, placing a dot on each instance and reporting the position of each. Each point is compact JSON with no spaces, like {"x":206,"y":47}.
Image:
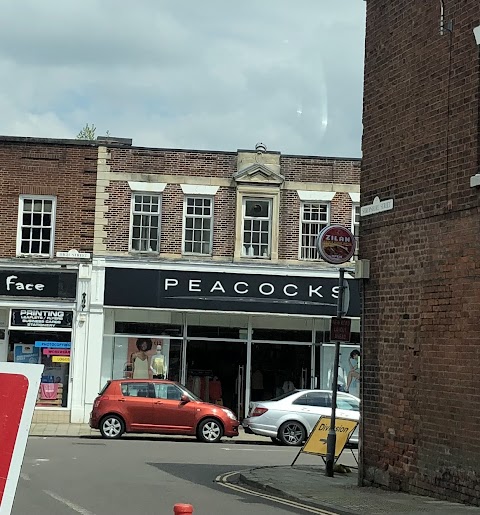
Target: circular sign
{"x":336,"y":244}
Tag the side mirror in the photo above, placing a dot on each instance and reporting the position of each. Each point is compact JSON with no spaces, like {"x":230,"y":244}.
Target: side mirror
{"x":185,"y":399}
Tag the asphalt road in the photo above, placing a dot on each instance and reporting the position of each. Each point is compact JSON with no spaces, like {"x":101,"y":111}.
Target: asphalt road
{"x":91,"y":476}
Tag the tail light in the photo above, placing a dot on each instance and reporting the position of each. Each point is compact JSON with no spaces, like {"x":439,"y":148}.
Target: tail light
{"x":258,"y":411}
{"x":96,"y":402}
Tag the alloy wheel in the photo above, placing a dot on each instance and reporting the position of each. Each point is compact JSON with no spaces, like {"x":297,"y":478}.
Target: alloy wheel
{"x":112,"y":427}
{"x":211,"y":431}
{"x":292,"y":433}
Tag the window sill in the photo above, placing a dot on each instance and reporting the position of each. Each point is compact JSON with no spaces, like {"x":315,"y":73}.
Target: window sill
{"x":265,"y":258}
{"x":144,"y":252}
{"x":36,"y":256}
{"x":196,"y":254}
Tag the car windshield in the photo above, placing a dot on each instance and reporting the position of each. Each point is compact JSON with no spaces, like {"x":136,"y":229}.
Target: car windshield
{"x":348,"y":403}
{"x":186,"y":391}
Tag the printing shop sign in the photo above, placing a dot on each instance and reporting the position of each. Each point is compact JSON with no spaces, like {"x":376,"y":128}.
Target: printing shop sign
{"x":41,"y":318}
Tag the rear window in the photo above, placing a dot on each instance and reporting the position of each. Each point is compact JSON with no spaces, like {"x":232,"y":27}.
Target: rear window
{"x":102,"y":391}
{"x":348,"y":403}
{"x":284,"y":395}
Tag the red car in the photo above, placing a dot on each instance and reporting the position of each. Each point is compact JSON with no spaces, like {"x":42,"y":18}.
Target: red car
{"x":162,"y":407}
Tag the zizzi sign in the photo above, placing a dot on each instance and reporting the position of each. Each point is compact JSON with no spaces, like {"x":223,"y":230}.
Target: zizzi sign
{"x":20,"y":283}
{"x":41,"y":318}
{"x":226,"y":291}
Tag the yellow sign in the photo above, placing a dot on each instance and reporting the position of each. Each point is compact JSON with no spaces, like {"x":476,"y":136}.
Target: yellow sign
{"x":317,"y":441}
{"x":61,"y":359}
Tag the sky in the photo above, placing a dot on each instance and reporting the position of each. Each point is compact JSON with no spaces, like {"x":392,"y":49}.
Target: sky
{"x":216,"y":75}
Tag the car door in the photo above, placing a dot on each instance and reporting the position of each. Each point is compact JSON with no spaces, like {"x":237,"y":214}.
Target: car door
{"x":313,"y":405}
{"x":137,"y":404}
{"x":170,"y":414}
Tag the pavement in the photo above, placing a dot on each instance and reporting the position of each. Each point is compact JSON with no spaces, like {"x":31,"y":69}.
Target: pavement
{"x":341,"y":494}
{"x":84,"y":430}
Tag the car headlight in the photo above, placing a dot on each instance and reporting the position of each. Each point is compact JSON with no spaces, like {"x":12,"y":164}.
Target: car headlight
{"x":230,"y":414}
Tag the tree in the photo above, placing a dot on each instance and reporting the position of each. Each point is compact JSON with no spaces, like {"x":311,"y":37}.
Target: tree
{"x":88,"y":132}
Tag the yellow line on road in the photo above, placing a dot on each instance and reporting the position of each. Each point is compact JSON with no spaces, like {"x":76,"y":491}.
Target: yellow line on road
{"x":223,"y":480}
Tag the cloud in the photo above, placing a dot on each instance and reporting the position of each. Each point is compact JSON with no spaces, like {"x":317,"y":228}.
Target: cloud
{"x":214,"y":74}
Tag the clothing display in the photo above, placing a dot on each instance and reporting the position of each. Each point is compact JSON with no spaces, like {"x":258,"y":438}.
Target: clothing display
{"x":140,"y":368}
{"x":288,"y":386}
{"x":158,"y":365}
{"x":215,"y":390}
{"x":257,"y":380}
{"x":48,"y":391}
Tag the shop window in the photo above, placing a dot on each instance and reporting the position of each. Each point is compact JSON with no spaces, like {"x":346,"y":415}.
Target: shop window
{"x":257,"y":221}
{"x":52,"y":349}
{"x":198,"y":225}
{"x":36,"y":223}
{"x":314,"y":217}
{"x":145,"y":230}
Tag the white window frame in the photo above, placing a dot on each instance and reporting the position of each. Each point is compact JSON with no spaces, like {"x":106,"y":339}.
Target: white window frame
{"x":153,"y":193}
{"x":21,"y":201}
{"x":249,"y":198}
{"x":185,"y":215}
{"x":300,"y":231}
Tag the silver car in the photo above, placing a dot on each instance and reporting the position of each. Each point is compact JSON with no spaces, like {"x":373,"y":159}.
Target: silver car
{"x":290,"y":418}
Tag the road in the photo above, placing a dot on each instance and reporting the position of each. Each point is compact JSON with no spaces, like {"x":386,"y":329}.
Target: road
{"x":134,"y":475}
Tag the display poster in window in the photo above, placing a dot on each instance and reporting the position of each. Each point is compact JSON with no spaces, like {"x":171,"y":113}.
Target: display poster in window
{"x":41,"y":318}
{"x":348,"y":368}
{"x":26,"y":354}
{"x":147,"y":358}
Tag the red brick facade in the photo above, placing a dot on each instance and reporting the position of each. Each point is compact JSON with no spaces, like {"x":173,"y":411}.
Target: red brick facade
{"x":140,"y":163}
{"x":421,"y":428}
{"x":64,"y":169}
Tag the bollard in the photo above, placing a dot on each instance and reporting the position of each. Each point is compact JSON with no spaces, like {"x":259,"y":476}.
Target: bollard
{"x":182,"y":508}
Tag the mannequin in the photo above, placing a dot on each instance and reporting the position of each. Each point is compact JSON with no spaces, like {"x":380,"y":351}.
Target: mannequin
{"x":157,"y":364}
{"x":140,"y":360}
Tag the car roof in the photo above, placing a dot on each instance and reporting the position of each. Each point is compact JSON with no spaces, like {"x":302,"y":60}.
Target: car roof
{"x":143,"y":381}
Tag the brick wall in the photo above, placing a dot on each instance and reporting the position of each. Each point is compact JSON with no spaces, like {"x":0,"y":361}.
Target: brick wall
{"x":46,"y":167}
{"x":421,"y":431}
{"x":223,"y":166}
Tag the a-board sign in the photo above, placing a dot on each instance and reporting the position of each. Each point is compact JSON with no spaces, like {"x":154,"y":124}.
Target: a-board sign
{"x":317,"y":441}
{"x":19,"y":383}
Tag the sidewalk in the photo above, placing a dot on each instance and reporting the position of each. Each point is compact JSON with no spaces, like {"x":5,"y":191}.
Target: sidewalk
{"x":340,"y":494}
{"x":84,"y":430}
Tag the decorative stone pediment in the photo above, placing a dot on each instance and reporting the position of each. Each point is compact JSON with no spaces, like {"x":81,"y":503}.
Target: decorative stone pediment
{"x":258,"y":167}
{"x":257,"y":173}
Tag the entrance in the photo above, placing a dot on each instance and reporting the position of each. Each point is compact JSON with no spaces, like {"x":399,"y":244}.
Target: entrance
{"x":215,"y":372}
{"x":278,"y":368}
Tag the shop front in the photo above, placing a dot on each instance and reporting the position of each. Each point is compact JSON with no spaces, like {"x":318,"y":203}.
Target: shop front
{"x":231,"y":335}
{"x":37,"y":312}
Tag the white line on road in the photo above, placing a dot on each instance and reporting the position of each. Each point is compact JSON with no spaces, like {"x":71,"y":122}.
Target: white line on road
{"x":71,"y":505}
{"x":223,"y":480}
{"x":255,"y":450}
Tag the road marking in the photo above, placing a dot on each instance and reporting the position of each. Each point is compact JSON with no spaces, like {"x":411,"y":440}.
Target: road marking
{"x":41,"y":459}
{"x":71,"y":505}
{"x":24,"y":476}
{"x":223,"y":480}
{"x":255,"y":450}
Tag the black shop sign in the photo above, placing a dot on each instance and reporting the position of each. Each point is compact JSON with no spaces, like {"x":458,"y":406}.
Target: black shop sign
{"x":26,"y":283}
{"x":225,"y":291}
{"x":41,"y":318}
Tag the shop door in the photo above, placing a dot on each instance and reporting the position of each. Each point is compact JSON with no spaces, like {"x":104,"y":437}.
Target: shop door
{"x":278,"y":368}
{"x":240,"y":384}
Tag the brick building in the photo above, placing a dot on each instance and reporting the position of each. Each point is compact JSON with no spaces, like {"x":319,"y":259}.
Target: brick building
{"x":47,"y":224}
{"x":211,"y":257}
{"x":421,"y":148}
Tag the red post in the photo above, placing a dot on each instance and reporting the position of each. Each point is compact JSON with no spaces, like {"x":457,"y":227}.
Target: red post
{"x":182,"y":508}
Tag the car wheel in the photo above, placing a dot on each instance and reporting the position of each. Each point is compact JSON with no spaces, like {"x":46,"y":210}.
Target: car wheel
{"x":210,"y":431}
{"x":292,"y":433}
{"x":112,"y":426}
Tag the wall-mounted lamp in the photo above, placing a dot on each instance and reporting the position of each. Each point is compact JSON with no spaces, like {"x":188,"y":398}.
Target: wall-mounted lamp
{"x":476,"y":33}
